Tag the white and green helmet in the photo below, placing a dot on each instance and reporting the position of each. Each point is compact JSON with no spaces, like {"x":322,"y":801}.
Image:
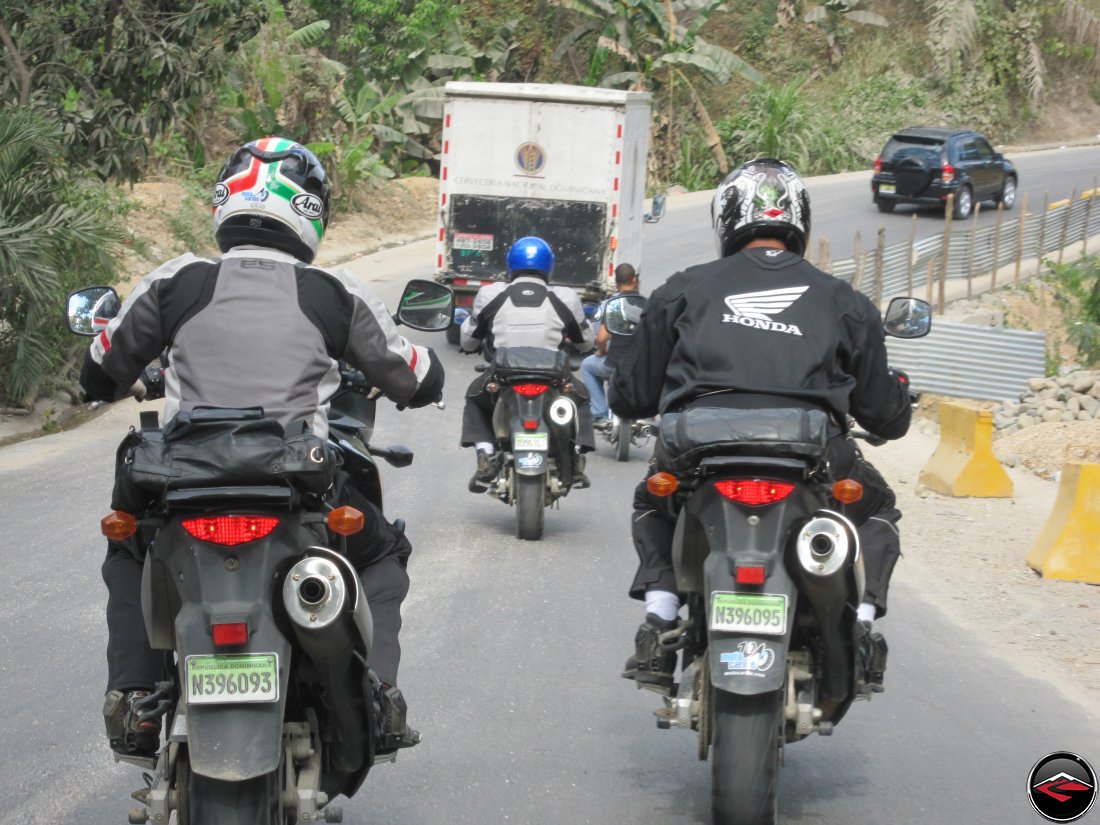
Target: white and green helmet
{"x":272,"y":192}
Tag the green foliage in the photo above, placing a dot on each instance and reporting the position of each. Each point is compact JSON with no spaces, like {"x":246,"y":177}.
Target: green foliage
{"x":55,"y":233}
{"x":695,"y":168}
{"x":119,"y":74}
{"x":1076,"y":288}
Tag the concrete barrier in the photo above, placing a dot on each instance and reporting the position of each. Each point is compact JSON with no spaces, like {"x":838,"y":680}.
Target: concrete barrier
{"x":1068,"y":546}
{"x":963,"y":464}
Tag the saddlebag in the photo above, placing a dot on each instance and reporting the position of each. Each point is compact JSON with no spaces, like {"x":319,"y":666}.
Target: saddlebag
{"x":216,"y":448}
{"x":688,"y":436}
{"x":511,"y":364}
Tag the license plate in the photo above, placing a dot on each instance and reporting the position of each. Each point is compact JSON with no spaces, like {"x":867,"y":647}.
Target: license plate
{"x":886,"y":189}
{"x":236,"y":677}
{"x":531,"y":441}
{"x":470,"y":240}
{"x":749,"y":613}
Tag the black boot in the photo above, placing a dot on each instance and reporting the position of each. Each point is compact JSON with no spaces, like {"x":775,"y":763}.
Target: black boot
{"x":488,"y":468}
{"x":650,"y":665}
{"x":580,"y":480}
{"x":128,"y":732}
{"x":872,"y":660}
{"x":395,"y":731}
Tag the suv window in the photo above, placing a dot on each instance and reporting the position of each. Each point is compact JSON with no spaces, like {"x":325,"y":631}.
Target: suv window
{"x":968,"y":150}
{"x":899,"y":149}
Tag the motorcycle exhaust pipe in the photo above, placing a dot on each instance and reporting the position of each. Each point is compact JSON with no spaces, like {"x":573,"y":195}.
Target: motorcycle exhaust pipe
{"x":562,"y":411}
{"x":318,"y":603}
{"x":823,"y":546}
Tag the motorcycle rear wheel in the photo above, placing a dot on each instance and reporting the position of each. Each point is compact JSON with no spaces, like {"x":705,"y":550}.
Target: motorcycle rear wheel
{"x":621,"y":430}
{"x":255,"y":801}
{"x":530,"y":506}
{"x":745,"y":761}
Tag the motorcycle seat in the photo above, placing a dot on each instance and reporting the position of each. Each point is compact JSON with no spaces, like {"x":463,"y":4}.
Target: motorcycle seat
{"x":687,"y":437}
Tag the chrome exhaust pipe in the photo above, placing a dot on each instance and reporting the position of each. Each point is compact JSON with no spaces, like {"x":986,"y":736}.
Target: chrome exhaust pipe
{"x":314,"y":593}
{"x":823,"y":546}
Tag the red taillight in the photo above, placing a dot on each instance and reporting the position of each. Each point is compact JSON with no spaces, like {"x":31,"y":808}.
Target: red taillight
{"x":230,"y":530}
{"x":235,"y":633}
{"x":750,"y":574}
{"x":530,"y":424}
{"x":878,"y":165}
{"x":529,"y":390}
{"x":948,"y":173}
{"x":754,"y":491}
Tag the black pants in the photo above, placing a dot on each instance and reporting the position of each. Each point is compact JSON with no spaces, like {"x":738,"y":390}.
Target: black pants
{"x":477,"y":415}
{"x":379,"y":552}
{"x":875,"y":517}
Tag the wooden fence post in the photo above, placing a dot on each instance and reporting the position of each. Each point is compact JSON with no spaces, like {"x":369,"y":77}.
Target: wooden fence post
{"x":857,"y":278}
{"x":997,"y":245}
{"x":1042,"y":234}
{"x":1065,"y":226}
{"x":1020,"y":239}
{"x":970,"y":252}
{"x":909,"y":262}
{"x":1088,"y":217}
{"x":880,"y":254}
{"x":949,"y":213}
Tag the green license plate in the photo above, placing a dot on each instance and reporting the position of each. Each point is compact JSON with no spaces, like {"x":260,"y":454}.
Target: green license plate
{"x":531,"y":441}
{"x":236,"y":677}
{"x":749,"y":613}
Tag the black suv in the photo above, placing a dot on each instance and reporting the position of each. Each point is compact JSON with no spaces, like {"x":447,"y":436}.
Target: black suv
{"x":924,"y":165}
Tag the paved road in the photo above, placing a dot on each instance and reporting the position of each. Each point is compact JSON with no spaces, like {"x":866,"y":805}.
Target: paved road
{"x":512,"y":652}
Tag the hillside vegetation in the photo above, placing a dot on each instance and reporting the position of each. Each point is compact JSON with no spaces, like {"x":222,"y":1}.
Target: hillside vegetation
{"x":96,"y":93}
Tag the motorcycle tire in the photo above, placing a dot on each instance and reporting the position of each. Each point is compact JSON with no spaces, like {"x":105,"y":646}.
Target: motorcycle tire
{"x":255,"y":801}
{"x":745,"y":759}
{"x":530,"y":506}
{"x":622,"y":430}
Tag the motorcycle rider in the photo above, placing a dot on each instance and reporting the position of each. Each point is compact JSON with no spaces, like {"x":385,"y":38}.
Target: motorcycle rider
{"x":261,"y":326}
{"x":525,"y":312}
{"x":597,"y":368}
{"x":761,"y":327}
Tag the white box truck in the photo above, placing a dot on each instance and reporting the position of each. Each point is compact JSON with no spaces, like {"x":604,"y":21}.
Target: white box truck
{"x":565,"y":163}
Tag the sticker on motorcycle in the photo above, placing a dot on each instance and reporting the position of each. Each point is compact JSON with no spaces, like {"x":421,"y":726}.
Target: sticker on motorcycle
{"x":530,"y":441}
{"x":530,"y":461}
{"x":764,"y":613}
{"x":750,"y":659}
{"x":236,"y":677}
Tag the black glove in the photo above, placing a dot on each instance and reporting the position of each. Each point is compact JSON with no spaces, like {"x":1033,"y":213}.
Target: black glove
{"x":152,"y":377}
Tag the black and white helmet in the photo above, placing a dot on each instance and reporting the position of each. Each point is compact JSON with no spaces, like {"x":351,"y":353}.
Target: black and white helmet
{"x":763,"y":198}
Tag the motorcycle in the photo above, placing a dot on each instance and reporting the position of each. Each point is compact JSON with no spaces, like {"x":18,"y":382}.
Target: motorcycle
{"x":535,"y":422}
{"x":620,"y":316}
{"x":773,"y":575}
{"x":269,"y":703}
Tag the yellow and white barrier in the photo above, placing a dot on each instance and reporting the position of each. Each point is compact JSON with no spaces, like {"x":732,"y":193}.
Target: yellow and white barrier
{"x":1068,"y":546}
{"x":963,"y":464}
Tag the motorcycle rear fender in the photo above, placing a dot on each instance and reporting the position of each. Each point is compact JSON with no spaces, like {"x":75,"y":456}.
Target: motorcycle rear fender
{"x":530,"y":462}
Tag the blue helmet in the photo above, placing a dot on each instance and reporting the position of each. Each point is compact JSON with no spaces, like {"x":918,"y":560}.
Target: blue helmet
{"x":531,"y":254}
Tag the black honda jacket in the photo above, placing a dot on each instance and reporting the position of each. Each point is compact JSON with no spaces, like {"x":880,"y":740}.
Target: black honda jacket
{"x":761,"y":321}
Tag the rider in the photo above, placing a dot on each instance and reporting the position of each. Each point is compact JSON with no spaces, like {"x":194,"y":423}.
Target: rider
{"x":525,"y":312}
{"x":597,"y":368}
{"x":261,"y":326}
{"x":757,"y":323}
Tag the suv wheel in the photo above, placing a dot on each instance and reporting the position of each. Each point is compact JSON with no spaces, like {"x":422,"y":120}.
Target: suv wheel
{"x":1008,"y":193}
{"x":964,"y":203}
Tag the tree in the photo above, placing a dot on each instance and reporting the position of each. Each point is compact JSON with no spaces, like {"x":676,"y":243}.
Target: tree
{"x":54,"y":231}
{"x":833,"y":18}
{"x":117,"y":74}
{"x":659,"y":49}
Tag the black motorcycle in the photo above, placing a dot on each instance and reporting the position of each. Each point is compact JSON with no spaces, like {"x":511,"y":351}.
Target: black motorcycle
{"x":620,"y":316}
{"x":270,"y":706}
{"x":773,"y":576}
{"x":535,"y":422}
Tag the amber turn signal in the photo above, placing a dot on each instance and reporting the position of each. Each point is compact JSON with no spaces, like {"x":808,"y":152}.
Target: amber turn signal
{"x":662,"y":484}
{"x":118,"y":525}
{"x":847,"y":491}
{"x":345,"y":521}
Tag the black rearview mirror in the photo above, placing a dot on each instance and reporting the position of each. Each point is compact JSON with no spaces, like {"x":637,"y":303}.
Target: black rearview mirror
{"x":426,"y":305}
{"x":622,"y":314}
{"x":908,"y":318}
{"x":656,"y":209}
{"x":88,"y":311}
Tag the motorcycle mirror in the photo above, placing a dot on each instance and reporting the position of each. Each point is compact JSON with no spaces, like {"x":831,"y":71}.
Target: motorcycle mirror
{"x":88,"y":311}
{"x":656,"y":210}
{"x":622,"y":314}
{"x":426,"y":305}
{"x":908,"y":318}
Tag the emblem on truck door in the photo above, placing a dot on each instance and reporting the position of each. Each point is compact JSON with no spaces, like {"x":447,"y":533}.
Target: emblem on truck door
{"x":530,"y":159}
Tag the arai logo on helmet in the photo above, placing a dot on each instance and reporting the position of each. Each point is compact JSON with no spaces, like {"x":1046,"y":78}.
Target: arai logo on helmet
{"x":307,"y":205}
{"x":221,"y":194}
{"x":754,"y":309}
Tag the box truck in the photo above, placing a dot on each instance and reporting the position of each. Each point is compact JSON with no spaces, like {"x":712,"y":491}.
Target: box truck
{"x":565,"y":163}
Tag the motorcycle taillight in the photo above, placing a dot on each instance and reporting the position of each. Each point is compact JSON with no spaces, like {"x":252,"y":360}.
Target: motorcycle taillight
{"x":528,"y":390}
{"x":230,"y":530}
{"x":754,"y":491}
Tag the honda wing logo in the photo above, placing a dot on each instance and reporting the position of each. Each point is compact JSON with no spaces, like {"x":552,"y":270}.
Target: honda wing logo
{"x":754,"y":309}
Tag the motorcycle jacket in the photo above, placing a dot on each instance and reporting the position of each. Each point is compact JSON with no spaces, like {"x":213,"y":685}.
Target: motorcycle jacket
{"x":526,"y":313}
{"x":257,"y":328}
{"x":762,"y":321}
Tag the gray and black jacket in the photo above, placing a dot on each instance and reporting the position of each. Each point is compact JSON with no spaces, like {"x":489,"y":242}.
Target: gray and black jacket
{"x":765,"y":322}
{"x":257,"y":328}
{"x":526,"y":313}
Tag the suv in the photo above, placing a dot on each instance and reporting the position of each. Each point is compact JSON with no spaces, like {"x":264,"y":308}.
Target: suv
{"x":924,"y":165}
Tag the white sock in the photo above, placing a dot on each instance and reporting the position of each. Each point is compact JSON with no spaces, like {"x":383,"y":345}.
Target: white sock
{"x":485,"y":447}
{"x":866,"y":612}
{"x":663,"y":604}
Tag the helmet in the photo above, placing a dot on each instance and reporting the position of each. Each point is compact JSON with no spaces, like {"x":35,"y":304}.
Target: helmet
{"x":531,"y":254}
{"x":272,"y":192}
{"x":763,"y":198}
